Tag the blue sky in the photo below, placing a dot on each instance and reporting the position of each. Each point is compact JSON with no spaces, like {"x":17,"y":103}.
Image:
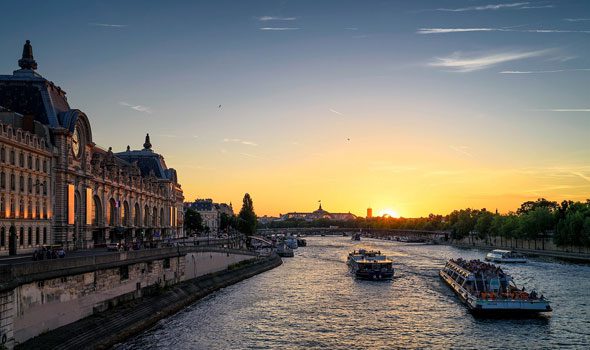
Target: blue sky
{"x":359,"y":103}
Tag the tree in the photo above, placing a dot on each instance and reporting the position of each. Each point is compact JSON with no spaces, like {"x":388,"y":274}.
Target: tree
{"x":247,"y":219}
{"x":193,"y":222}
{"x":484,"y":224}
{"x":226,"y":221}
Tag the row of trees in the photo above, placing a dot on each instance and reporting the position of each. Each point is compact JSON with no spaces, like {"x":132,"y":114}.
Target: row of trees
{"x":567,"y":222}
{"x":245,"y":222}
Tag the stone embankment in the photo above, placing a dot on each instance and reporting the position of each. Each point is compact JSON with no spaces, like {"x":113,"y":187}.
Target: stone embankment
{"x":105,"y":329}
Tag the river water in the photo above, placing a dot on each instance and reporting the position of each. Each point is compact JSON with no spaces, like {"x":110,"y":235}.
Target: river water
{"x":311,"y":302}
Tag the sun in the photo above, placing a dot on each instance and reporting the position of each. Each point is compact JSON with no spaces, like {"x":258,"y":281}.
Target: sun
{"x":388,"y":212}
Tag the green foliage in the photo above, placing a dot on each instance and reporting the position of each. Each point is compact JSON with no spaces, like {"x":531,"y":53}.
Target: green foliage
{"x":568,"y":222}
{"x":247,"y":219}
{"x":193,"y":222}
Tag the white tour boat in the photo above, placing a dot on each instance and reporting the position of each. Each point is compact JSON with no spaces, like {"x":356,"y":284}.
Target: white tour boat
{"x":486,"y":289}
{"x":505,"y":256}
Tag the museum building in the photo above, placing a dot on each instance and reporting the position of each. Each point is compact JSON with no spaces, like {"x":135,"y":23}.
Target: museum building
{"x":57,"y":187}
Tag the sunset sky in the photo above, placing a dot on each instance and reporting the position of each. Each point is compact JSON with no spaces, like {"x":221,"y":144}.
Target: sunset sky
{"x":412,"y":106}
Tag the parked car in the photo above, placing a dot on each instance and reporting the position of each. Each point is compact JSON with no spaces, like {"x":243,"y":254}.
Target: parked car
{"x":113,"y":247}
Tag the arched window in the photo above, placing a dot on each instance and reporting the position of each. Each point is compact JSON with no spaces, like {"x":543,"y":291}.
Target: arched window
{"x":37,"y":236}
{"x":146,"y":216}
{"x":155,"y":217}
{"x":21,"y":208}
{"x":136,"y":215}
{"x":44,"y":235}
{"x":44,"y":166}
{"x":96,"y":211}
{"x":12,"y":157}
{"x":37,"y":167}
{"x":30,"y":236}
{"x":125,"y":214}
{"x":112,"y":213}
{"x":21,"y":238}
{"x":30,"y":162}
{"x":21,"y":160}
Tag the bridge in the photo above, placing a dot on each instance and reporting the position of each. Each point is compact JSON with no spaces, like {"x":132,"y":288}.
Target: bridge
{"x":393,"y":234}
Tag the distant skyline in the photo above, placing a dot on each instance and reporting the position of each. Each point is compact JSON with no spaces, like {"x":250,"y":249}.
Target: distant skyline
{"x":415,"y":107}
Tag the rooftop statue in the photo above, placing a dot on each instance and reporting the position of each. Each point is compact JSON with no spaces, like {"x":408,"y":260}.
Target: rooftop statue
{"x":27,"y":61}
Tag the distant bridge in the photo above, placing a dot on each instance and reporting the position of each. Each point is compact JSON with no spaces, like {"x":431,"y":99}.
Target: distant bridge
{"x":376,"y":233}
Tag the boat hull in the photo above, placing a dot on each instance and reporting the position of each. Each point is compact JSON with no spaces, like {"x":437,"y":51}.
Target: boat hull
{"x":496,"y":307}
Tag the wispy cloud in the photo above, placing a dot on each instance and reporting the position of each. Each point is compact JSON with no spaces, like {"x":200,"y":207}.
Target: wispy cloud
{"x":544,"y":71}
{"x":253,"y":156}
{"x":108,"y":25}
{"x":565,"y":110}
{"x":579,"y":174}
{"x":491,"y":29}
{"x":464,"y":150}
{"x":336,"y":112}
{"x":459,"y":62}
{"x":493,"y":7}
{"x":243,"y":142}
{"x":273,"y":18}
{"x":576,"y":19}
{"x":138,"y":108}
{"x":279,"y":28}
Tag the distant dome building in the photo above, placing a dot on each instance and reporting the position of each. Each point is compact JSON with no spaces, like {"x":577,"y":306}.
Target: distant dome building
{"x":318,"y":214}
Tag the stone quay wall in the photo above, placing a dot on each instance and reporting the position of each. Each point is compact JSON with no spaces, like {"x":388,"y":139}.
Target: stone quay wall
{"x":38,"y":297}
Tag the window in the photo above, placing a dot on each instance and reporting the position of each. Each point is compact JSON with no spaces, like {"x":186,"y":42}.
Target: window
{"x":44,"y":166}
{"x":21,"y":160}
{"x":21,"y":209}
{"x":2,"y":180}
{"x":124,"y":272}
{"x":12,"y":211}
{"x":30,"y":236}
{"x":12,"y":182}
{"x":44,"y":187}
{"x":2,"y":155}
{"x":44,"y":211}
{"x":37,"y":164}
{"x":37,"y":236}
{"x":2,"y":207}
{"x":30,"y":162}
{"x":166,"y":263}
{"x":2,"y":237}
{"x":30,"y":184}
{"x":44,"y":235}
{"x":37,"y":211}
{"x":30,"y":209}
{"x":12,"y":157}
{"x":21,"y":237}
{"x":21,"y":183}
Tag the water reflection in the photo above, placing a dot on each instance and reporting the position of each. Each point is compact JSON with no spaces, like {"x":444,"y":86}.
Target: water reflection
{"x":312,"y":302}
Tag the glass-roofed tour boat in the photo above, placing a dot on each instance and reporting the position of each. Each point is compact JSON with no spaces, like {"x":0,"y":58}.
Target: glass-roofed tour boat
{"x":370,"y":265}
{"x":487,"y":290}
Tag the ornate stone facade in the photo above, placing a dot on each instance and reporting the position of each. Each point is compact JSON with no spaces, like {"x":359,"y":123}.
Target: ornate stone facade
{"x":91,"y":196}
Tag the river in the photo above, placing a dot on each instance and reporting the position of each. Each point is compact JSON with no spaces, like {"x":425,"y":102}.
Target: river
{"x":311,"y":302}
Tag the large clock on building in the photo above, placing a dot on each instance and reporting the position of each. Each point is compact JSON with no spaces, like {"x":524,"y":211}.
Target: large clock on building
{"x":76,"y":140}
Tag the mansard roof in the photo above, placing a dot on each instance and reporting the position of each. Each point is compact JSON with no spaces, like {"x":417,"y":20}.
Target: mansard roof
{"x":149,"y":162}
{"x":28,"y":93}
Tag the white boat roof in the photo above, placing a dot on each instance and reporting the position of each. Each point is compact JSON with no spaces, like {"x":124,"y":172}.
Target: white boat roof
{"x":502,"y":251}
